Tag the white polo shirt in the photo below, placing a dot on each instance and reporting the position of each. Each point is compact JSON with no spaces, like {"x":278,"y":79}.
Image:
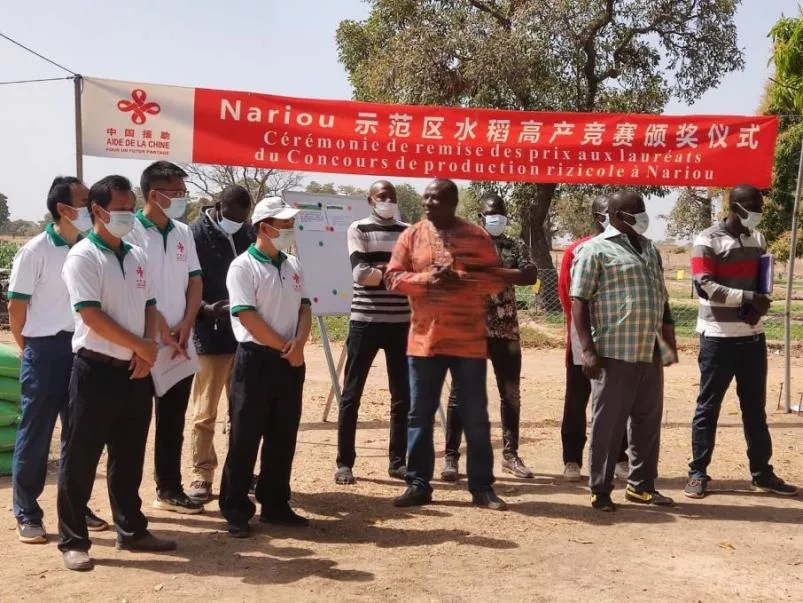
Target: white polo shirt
{"x":118,"y":284}
{"x":36,"y":278}
{"x":275,"y":289}
{"x":172,"y":260}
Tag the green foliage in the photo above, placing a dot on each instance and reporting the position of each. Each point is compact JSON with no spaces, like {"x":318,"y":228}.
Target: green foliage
{"x":5,"y":214}
{"x":409,"y":201}
{"x":780,"y":248}
{"x":692,"y":213}
{"x":7,"y":252}
{"x":468,"y":206}
{"x":625,"y":56}
{"x":787,"y":58}
{"x":321,"y":189}
{"x":21,"y":228}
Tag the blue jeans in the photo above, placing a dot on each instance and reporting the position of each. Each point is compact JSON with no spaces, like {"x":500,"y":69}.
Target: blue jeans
{"x":721,"y":360}
{"x":44,"y":381}
{"x":426,"y":382}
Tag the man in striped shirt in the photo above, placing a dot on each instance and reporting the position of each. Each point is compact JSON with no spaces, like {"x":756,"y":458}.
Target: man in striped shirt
{"x":725,"y":265}
{"x":380,"y":319}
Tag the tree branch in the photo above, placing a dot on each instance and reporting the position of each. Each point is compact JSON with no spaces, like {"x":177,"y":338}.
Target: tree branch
{"x":494,"y":12}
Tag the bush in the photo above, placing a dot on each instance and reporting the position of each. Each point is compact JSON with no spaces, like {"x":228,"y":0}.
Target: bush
{"x":7,"y":252}
{"x":780,"y":248}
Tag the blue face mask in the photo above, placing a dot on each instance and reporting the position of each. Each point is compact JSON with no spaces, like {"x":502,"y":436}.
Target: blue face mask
{"x":495,"y":224}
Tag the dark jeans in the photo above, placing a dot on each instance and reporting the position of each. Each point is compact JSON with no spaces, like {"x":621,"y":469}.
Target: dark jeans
{"x":170,"y":412}
{"x":265,"y":405}
{"x":721,"y":359}
{"x":573,"y":427}
{"x":364,"y":341}
{"x":426,"y":382}
{"x":44,"y":382}
{"x":108,"y":408}
{"x":505,"y":357}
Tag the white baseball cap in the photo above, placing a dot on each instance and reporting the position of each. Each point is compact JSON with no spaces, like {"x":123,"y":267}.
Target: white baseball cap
{"x":272,"y":207}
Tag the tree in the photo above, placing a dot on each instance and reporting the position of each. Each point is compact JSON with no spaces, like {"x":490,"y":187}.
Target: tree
{"x":260,"y":182}
{"x":692,"y":213}
{"x":409,"y":201}
{"x":5,"y":214}
{"x":318,"y":188}
{"x":784,"y":97}
{"x":626,"y":55}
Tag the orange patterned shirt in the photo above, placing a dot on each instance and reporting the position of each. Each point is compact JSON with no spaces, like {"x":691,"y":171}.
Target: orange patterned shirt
{"x":447,"y":320}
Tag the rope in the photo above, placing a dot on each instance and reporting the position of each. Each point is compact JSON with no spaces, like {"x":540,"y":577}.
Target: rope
{"x":33,"y":52}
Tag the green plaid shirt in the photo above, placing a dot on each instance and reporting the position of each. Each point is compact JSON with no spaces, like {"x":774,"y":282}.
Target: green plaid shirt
{"x":626,"y":292}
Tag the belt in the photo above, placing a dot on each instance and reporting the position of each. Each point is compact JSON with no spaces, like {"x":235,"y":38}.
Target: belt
{"x":260,"y":349}
{"x":103,"y":358}
{"x":735,"y":340}
{"x":59,"y":335}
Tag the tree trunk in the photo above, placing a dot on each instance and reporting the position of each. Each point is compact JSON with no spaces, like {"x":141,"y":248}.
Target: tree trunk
{"x":535,"y":202}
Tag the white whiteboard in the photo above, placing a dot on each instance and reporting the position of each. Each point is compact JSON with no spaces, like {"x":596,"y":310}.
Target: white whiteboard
{"x":321,"y":228}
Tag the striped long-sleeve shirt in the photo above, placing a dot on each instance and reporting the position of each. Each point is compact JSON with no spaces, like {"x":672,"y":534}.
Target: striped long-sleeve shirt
{"x":370,"y":243}
{"x":725,"y":270}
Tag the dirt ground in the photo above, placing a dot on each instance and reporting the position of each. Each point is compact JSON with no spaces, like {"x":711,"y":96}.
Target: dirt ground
{"x":549,"y":546}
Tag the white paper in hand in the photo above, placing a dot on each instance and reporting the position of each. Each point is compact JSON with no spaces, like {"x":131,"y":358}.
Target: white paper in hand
{"x":168,"y":370}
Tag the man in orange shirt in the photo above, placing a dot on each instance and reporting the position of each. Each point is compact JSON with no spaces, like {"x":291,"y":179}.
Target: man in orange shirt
{"x":447,"y":267}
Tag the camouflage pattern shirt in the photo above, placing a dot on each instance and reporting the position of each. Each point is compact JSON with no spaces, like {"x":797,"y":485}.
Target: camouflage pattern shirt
{"x":501,"y":319}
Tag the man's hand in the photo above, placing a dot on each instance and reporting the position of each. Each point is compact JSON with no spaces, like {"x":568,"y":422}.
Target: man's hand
{"x":293,"y":352}
{"x":181,"y":338}
{"x":761,"y":303}
{"x":668,"y":335}
{"x":147,"y":350}
{"x":172,"y":340}
{"x":219,"y":309}
{"x":139,"y":368}
{"x":592,"y":364}
{"x":750,"y":315}
{"x":443,"y":275}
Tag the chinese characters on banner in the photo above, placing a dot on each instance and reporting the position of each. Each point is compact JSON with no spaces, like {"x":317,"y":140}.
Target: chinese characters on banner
{"x":238,"y":128}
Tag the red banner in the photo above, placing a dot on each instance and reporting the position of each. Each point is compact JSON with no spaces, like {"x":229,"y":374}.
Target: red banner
{"x":240,"y":128}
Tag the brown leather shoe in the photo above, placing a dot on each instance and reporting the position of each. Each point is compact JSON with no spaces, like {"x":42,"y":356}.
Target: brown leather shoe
{"x":77,"y":561}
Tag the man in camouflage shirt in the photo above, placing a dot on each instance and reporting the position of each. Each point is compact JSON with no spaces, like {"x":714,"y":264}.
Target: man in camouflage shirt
{"x":504,"y":348}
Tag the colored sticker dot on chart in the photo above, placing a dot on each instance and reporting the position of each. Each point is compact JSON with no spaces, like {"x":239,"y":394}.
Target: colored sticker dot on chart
{"x":320,"y":243}
{"x":315,"y":299}
{"x":334,"y":291}
{"x":301,"y":227}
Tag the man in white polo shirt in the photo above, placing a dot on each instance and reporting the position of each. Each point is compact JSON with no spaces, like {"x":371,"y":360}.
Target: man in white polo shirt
{"x":176,"y":274}
{"x":116,"y":323}
{"x":271,"y":319}
{"x":42,"y":325}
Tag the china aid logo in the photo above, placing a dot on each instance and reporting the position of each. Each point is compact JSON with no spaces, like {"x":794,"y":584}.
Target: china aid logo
{"x":139,"y":106}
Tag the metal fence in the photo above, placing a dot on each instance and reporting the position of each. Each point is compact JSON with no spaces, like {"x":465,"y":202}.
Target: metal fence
{"x":543,"y":320}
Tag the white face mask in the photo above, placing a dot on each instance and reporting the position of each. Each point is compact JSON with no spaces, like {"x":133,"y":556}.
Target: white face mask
{"x":178,"y":205}
{"x":286,"y":238}
{"x":120,"y":223}
{"x":83,"y":221}
{"x":230,"y":226}
{"x":495,"y":224}
{"x":642,"y":222}
{"x":752,"y":219}
{"x":385,"y":209}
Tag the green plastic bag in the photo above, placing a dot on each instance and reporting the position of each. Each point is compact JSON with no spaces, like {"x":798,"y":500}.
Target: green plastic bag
{"x":9,"y":414}
{"x":10,"y":390}
{"x":5,"y":462}
{"x":9,"y":362}
{"x":7,"y":437}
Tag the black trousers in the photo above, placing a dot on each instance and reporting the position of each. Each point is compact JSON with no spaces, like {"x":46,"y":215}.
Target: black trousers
{"x":721,"y":360}
{"x":505,"y":355}
{"x":265,"y":404}
{"x":170,"y":412}
{"x":107,"y":408}
{"x":364,"y":341}
{"x":573,"y":427}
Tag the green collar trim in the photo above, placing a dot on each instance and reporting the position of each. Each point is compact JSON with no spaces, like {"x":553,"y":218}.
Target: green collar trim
{"x":100,"y":244}
{"x":148,"y":224}
{"x":57,"y":239}
{"x":266,"y":259}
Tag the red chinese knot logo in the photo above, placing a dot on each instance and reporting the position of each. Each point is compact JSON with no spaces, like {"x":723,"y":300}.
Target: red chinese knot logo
{"x":139,"y":106}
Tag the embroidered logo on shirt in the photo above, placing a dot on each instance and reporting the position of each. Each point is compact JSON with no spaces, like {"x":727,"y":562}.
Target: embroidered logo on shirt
{"x":296,"y":282}
{"x":181,"y":252}
{"x":140,"y":278}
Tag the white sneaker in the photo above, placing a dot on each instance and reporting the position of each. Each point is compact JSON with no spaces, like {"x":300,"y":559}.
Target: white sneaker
{"x":622,"y":470}
{"x":571,"y":472}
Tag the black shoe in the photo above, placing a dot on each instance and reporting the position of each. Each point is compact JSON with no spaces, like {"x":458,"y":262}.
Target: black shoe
{"x":697,"y":487}
{"x":253,"y":488}
{"x":774,"y":485}
{"x":344,"y":476}
{"x":648,"y":497}
{"x":95,"y":523}
{"x":489,"y":500}
{"x":399,"y":472}
{"x":602,"y":502}
{"x":239,"y":530}
{"x":515,"y":466}
{"x":177,"y":502}
{"x":284,"y":517}
{"x":77,"y":561}
{"x":449,"y":473}
{"x":413,"y":497}
{"x":146,"y":542}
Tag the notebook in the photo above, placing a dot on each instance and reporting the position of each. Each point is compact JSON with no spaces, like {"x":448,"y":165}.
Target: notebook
{"x":766,"y":274}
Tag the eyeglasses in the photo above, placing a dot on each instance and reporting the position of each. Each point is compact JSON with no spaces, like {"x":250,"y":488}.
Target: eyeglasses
{"x":176,"y":193}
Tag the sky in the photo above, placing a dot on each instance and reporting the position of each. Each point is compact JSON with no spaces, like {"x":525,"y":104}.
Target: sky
{"x":273,"y":46}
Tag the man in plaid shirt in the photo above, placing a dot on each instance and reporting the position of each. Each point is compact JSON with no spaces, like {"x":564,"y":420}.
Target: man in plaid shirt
{"x":621,"y":312}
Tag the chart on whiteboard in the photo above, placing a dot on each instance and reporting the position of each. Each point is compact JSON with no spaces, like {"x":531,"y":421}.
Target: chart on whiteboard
{"x":321,"y":227}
